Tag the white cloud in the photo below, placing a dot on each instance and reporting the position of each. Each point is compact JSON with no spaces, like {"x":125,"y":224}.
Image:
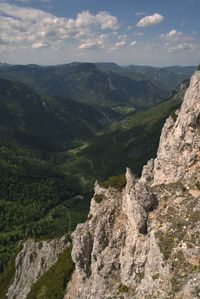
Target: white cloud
{"x":85,"y":19}
{"x":26,"y":27}
{"x":173,"y":35}
{"x":150,"y":20}
{"x":121,"y":42}
{"x":122,"y":37}
{"x":181,"y":47}
{"x":118,"y":45}
{"x":176,"y":41}
{"x":100,"y":42}
{"x":102,"y":19}
{"x":133,"y":43}
{"x":107,"y":21}
{"x":22,"y":13}
{"x":90,"y":45}
{"x":38,"y":36}
{"x":38,"y":45}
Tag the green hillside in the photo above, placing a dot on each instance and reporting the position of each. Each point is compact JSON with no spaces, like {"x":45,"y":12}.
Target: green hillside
{"x":37,"y":197}
{"x":45,"y":122}
{"x":130,"y":142}
{"x":86,"y":83}
{"x":52,"y":150}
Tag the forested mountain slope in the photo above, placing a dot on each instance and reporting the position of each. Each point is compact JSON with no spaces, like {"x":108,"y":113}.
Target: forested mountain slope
{"x":168,"y":78}
{"x":44,"y":121}
{"x":86,"y":83}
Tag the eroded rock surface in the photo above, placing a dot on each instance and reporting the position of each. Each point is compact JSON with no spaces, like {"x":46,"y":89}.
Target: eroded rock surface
{"x":34,"y":259}
{"x":179,"y":149}
{"x":143,"y":242}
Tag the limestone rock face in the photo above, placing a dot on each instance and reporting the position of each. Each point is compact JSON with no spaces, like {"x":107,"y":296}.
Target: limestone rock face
{"x":179,"y":149}
{"x":34,"y":259}
{"x":143,"y":242}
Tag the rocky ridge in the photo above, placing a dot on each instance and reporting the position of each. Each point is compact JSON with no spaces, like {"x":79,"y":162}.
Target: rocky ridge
{"x":143,"y":241}
{"x":34,"y":259}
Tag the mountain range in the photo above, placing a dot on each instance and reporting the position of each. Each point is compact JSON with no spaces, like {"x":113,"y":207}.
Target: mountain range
{"x":168,"y":78}
{"x":104,"y":85}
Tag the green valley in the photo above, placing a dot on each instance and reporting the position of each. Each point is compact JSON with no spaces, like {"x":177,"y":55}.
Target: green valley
{"x":53,"y":148}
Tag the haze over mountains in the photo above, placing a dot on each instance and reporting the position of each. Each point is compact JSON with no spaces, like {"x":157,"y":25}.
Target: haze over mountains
{"x":103,"y":84}
{"x":168,"y":78}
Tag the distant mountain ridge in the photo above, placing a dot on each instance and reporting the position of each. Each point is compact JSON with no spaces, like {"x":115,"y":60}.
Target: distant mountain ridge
{"x":87,"y":83}
{"x":168,"y":78}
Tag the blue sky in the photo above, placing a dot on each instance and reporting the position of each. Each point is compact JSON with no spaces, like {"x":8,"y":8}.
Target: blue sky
{"x":150,"y":32}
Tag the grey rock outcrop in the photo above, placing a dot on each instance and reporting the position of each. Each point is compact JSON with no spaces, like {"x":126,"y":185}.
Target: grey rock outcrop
{"x":33,"y":260}
{"x":143,"y":242}
{"x":179,"y":149}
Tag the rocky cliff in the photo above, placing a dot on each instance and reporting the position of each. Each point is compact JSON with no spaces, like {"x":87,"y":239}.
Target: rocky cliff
{"x":34,"y":259}
{"x":143,"y":241}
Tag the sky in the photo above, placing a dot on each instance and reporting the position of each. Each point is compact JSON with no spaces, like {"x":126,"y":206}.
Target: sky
{"x":142,"y":32}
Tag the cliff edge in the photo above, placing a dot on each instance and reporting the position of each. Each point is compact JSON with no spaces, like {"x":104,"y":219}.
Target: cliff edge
{"x":143,"y":241}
